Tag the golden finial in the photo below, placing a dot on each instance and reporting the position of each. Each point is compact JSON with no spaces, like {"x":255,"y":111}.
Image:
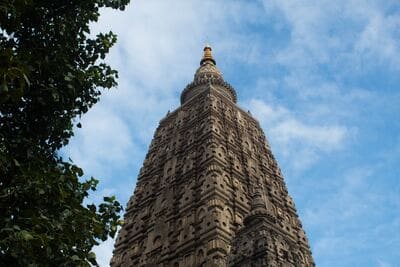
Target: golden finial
{"x":207,"y":56}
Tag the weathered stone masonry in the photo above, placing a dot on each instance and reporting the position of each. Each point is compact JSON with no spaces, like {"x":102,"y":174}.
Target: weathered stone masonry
{"x":210,"y":192}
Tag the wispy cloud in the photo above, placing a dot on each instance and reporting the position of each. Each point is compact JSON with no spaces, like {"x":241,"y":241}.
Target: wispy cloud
{"x":352,"y":218}
{"x":294,"y":137}
{"x":320,"y":77}
{"x":104,"y":252}
{"x":382,"y":263}
{"x":103,"y":142}
{"x":380,"y":40}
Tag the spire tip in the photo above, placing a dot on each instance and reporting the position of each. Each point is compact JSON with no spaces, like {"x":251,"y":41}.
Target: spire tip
{"x":207,"y":56}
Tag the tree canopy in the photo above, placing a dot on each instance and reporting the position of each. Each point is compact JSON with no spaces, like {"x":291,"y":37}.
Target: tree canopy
{"x":52,"y":71}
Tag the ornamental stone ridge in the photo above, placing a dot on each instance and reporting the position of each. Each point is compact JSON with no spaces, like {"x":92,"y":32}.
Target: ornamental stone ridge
{"x":210,"y":192}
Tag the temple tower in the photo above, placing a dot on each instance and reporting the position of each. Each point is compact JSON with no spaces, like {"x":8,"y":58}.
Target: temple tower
{"x":210,"y":192}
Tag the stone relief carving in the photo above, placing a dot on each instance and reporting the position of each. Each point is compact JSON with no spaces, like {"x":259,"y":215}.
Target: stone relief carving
{"x":210,"y":192}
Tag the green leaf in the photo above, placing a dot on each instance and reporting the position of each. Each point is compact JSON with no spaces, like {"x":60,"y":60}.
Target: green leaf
{"x":3,"y":88}
{"x":44,"y":217}
{"x":75,"y":258}
{"x":26,"y":79}
{"x":16,"y":163}
{"x":26,"y":235}
{"x":91,"y":255}
{"x":92,"y":258}
{"x":55,"y":96}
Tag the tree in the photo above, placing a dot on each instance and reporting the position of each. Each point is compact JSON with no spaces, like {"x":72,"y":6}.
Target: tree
{"x":52,"y":72}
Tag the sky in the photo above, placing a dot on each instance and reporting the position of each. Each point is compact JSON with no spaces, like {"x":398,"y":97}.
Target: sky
{"x":323,"y":79}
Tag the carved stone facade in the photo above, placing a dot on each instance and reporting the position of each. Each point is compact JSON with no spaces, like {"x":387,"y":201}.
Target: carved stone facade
{"x":210,"y":192}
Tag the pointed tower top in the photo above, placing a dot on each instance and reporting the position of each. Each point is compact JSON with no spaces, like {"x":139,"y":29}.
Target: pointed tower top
{"x":207,"y":74}
{"x":207,"y":56}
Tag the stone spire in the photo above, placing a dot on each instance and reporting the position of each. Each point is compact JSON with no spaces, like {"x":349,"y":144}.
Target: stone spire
{"x":208,"y":74}
{"x":207,"y":56}
{"x":210,"y":193}
{"x":207,"y":69}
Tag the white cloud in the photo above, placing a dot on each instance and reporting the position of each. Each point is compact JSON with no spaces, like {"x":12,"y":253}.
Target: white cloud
{"x":324,"y":138}
{"x":349,"y":217}
{"x":332,"y":40}
{"x":301,"y":143}
{"x":102,"y":143}
{"x":104,"y":252}
{"x":317,"y":28}
{"x":159,"y":41}
{"x":159,"y":46}
{"x":344,"y":190}
{"x":382,"y":263}
{"x":378,"y":40}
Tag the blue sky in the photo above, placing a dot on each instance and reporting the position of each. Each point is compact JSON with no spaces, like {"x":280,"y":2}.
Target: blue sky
{"x":323,"y":79}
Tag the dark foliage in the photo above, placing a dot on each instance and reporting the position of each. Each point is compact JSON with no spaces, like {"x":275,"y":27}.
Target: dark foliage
{"x":51,"y":73}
